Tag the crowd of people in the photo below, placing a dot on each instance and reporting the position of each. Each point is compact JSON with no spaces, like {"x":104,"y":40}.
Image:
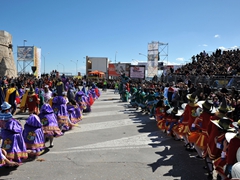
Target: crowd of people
{"x":54,"y":105}
{"x":207,"y":121}
{"x":217,"y":63}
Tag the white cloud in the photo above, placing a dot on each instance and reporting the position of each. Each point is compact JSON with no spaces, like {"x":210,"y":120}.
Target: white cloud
{"x":226,"y":49}
{"x":180,"y":59}
{"x":217,"y":36}
{"x":222,"y":48}
{"x":235,"y":47}
{"x":205,"y":45}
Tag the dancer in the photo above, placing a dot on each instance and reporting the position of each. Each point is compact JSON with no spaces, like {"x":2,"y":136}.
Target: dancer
{"x":50,"y":124}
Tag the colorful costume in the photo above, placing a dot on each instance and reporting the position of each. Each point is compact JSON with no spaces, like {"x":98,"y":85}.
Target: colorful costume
{"x":12,"y":140}
{"x":33,"y":135}
{"x":49,"y":121}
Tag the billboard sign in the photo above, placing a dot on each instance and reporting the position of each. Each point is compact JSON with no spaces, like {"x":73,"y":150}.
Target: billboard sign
{"x":137,"y":71}
{"x":25,"y":53}
{"x":118,"y":69}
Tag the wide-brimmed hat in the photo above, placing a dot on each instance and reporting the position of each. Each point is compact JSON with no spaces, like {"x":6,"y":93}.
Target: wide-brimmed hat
{"x":224,"y":108}
{"x":238,"y":154}
{"x":224,"y":124}
{"x":229,"y":136}
{"x":184,"y":105}
{"x":5,"y":106}
{"x":175,"y":111}
{"x":192,"y":97}
{"x":208,"y":105}
{"x":236,"y":124}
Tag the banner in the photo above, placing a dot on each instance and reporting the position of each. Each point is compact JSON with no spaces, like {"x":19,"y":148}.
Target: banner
{"x":37,"y":61}
{"x":137,"y":72}
{"x":25,"y":53}
{"x":153,"y":53}
{"x":119,"y":68}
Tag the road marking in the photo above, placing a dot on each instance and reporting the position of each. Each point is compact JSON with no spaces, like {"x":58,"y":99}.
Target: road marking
{"x":106,"y":113}
{"x":103,"y":125}
{"x":132,"y":142}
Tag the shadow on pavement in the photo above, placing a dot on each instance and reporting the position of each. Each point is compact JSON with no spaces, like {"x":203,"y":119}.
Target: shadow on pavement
{"x":184,"y":164}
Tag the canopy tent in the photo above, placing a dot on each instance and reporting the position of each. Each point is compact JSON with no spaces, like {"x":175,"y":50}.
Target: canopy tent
{"x":96,"y":72}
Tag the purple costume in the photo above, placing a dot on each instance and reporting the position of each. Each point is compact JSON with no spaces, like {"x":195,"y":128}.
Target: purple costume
{"x":49,"y":121}
{"x":33,"y":134}
{"x":59,"y":105}
{"x":75,"y":113}
{"x":12,"y":140}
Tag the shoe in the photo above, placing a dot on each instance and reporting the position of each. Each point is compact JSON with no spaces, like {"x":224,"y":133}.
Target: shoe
{"x":198,"y":157}
{"x":51,"y":146}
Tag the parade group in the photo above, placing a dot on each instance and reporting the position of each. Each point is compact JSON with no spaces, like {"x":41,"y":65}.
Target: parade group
{"x":53,"y":108}
{"x":208,"y":125}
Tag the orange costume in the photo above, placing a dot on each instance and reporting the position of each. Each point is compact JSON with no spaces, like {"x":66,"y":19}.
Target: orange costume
{"x":160,"y":115}
{"x":189,"y":116}
{"x":201,"y":135}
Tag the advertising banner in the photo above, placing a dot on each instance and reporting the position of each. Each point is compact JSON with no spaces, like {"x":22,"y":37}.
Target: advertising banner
{"x":117,"y":69}
{"x":37,"y":61}
{"x":25,"y":53}
{"x":137,"y":72}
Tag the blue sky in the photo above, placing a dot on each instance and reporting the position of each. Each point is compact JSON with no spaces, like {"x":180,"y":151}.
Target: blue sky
{"x":70,"y":30}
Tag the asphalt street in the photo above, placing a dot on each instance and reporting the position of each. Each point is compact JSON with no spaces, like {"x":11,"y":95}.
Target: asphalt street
{"x":113,"y":142}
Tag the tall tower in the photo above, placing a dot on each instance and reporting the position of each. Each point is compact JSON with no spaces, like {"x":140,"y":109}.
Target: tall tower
{"x":7,"y":64}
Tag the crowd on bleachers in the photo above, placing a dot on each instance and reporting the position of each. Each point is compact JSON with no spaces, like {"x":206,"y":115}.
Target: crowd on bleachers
{"x":220,"y":62}
{"x":54,"y":105}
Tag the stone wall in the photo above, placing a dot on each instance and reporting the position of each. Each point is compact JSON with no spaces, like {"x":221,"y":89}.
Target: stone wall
{"x":7,"y":64}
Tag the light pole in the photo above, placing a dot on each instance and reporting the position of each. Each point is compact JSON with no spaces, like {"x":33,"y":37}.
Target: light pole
{"x":142,"y":54}
{"x":63,"y":67}
{"x":44,"y":62}
{"x":24,"y":41}
{"x":76,"y":66}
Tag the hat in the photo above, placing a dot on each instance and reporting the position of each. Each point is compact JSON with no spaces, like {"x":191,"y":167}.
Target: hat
{"x":175,"y":111}
{"x":192,"y":97}
{"x":224,"y":108}
{"x":208,"y":105}
{"x":238,"y":154}
{"x":184,"y":105}
{"x":236,"y":124}
{"x":5,"y":116}
{"x":224,"y":124}
{"x":5,"y":106}
{"x":229,"y":136}
{"x":31,"y":91}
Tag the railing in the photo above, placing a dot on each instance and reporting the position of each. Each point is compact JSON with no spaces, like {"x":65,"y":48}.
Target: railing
{"x":218,"y":81}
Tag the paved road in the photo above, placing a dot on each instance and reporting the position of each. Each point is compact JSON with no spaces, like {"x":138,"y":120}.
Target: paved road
{"x":113,"y":142}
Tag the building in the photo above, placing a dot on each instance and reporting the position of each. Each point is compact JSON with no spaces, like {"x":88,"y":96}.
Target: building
{"x":97,"y":64}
